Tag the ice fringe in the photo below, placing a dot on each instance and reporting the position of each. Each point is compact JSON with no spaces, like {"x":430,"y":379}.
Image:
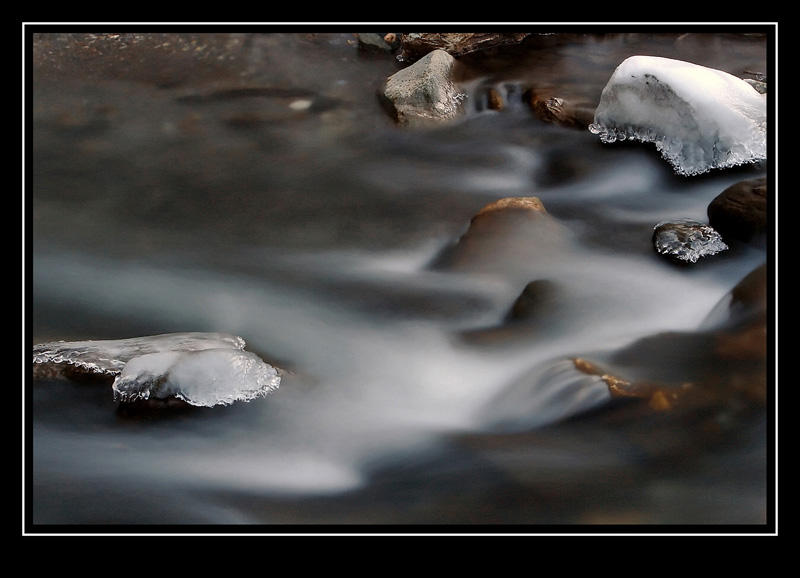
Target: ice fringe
{"x":203,"y":369}
{"x":698,"y":118}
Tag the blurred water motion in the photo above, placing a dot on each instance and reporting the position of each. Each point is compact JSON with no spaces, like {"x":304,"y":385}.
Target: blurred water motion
{"x":164,"y":202}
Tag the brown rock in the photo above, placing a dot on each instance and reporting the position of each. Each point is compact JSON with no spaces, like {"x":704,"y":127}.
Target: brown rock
{"x":511,"y":233}
{"x":536,"y":297}
{"x":740,"y":211}
{"x":530,"y":316}
{"x":724,"y":366}
{"x":742,"y":336}
{"x":494,"y":100}
{"x":529,"y":205}
{"x":417,"y":45}
{"x":565,"y":112}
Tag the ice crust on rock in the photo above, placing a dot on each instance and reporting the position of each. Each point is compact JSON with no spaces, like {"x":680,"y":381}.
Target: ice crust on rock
{"x":203,"y":369}
{"x":686,"y":240}
{"x":207,"y":377}
{"x":699,"y":118}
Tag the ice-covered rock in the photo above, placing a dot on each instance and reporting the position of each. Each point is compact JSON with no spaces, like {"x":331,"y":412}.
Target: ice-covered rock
{"x":698,"y":118}
{"x":686,"y":240}
{"x":207,"y":377}
{"x":203,"y":369}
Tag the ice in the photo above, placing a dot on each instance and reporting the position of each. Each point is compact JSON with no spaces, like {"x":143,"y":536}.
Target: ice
{"x":203,"y":369}
{"x":204,"y":378}
{"x":698,"y":118}
{"x":687,"y":240}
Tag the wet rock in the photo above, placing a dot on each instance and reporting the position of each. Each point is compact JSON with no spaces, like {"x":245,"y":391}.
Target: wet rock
{"x":686,"y":241}
{"x":531,"y":315}
{"x":424,"y":93}
{"x":505,"y":234}
{"x":565,"y":112}
{"x":741,"y":319}
{"x":740,"y":211}
{"x":417,"y":45}
{"x":723,"y":365}
{"x":494,"y":101}
{"x":371,"y":42}
{"x":535,"y":298}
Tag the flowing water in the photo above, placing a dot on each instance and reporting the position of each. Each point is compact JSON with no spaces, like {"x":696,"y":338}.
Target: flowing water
{"x":251,"y":184}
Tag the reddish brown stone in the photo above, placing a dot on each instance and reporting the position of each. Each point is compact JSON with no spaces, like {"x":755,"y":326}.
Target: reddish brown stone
{"x":566,"y":112}
{"x":494,"y":100}
{"x":508,"y":233}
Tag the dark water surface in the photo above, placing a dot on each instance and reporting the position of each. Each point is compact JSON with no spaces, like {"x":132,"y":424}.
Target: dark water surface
{"x":251,"y":184}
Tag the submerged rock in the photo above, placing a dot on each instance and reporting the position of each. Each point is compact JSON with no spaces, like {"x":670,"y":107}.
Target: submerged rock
{"x":534,"y":300}
{"x":723,"y":364}
{"x":699,"y":118}
{"x":531,"y":315}
{"x":510,"y":233}
{"x":686,"y":241}
{"x":202,"y":369}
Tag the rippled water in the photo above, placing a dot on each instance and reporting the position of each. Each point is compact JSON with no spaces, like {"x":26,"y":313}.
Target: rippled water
{"x":170,"y":196}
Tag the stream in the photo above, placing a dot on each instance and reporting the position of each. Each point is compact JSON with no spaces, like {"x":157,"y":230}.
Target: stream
{"x":250,"y":183}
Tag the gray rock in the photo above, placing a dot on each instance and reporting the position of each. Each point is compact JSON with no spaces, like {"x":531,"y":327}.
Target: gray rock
{"x":424,"y":93}
{"x":372,"y":42}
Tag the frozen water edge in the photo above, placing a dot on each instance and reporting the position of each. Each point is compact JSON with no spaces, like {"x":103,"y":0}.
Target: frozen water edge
{"x":698,"y":118}
{"x":202,"y":369}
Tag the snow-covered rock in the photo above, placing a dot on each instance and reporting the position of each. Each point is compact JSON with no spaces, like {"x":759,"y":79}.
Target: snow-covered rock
{"x":699,"y":118}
